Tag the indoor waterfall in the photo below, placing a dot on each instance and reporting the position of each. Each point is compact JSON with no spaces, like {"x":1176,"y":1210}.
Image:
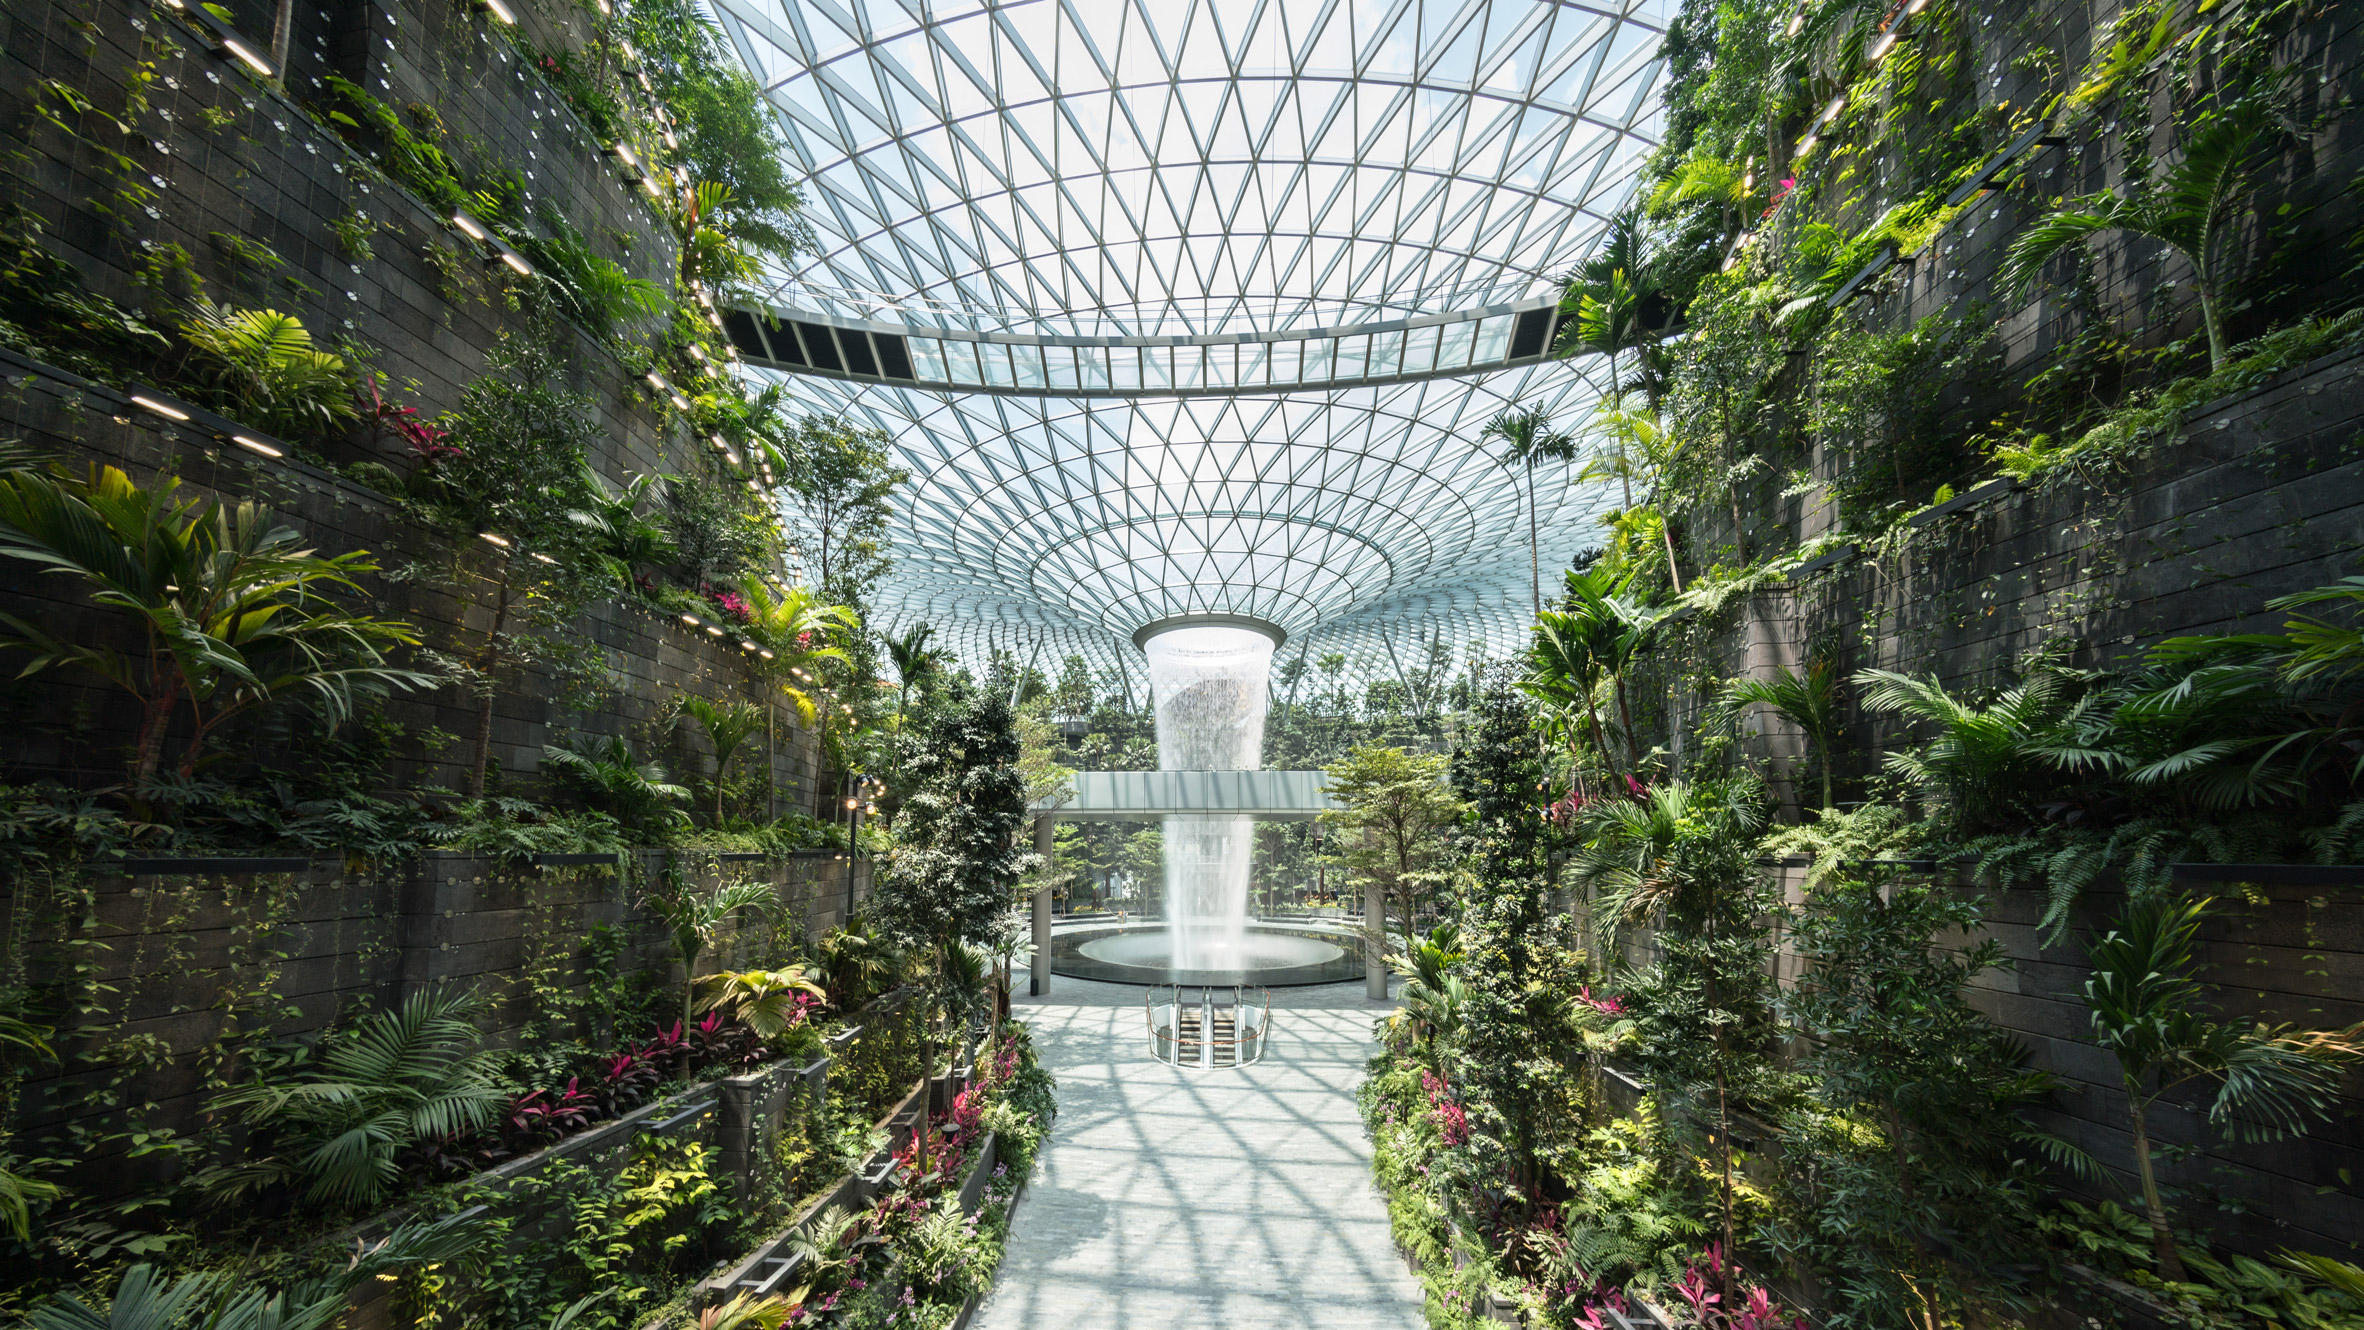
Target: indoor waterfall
{"x":1210,"y":686}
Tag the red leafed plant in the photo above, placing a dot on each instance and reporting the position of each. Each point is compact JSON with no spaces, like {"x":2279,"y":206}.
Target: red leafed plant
{"x":539,"y":1116}
{"x":1452,"y":1120}
{"x":1752,"y":1308}
{"x":430,"y":441}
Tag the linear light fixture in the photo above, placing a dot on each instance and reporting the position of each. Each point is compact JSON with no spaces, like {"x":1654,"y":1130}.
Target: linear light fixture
{"x":516,"y":260}
{"x":255,"y":445}
{"x":165,"y":410}
{"x":246,"y":56}
{"x":500,"y":11}
{"x":1887,"y":42}
{"x":470,"y":227}
{"x":491,"y":539}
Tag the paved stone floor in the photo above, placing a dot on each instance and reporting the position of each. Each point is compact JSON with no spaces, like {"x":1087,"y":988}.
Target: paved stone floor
{"x":1231,"y":1199}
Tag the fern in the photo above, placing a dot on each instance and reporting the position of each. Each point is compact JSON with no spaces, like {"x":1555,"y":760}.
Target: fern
{"x":395,"y":1080}
{"x":266,"y":371}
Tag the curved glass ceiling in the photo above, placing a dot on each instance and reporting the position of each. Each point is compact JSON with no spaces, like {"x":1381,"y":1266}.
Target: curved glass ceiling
{"x":1199,"y":168}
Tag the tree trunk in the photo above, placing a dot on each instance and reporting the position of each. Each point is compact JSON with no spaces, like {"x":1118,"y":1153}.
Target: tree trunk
{"x":1674,"y":574}
{"x":1534,"y":542}
{"x":689,"y":1003}
{"x":2170,"y":1264}
{"x":487,"y":662}
{"x":164,"y":696}
{"x":1739,"y":528}
{"x":1633,"y":751}
{"x":1724,"y":1142}
{"x":927,"y":1067}
{"x":2212,"y":318}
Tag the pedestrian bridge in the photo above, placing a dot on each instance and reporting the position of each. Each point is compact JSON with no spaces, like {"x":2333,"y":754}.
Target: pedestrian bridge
{"x":1130,"y":796}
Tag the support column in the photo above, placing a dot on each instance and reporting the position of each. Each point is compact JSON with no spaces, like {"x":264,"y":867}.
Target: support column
{"x":1040,"y":983}
{"x":1374,"y":943}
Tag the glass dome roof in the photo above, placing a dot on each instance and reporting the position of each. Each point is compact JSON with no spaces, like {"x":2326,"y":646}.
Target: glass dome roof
{"x":1187,"y":168}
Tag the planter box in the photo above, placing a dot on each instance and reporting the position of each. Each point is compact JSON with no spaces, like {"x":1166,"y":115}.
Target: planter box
{"x":1976,"y":494}
{"x":969,"y":1308}
{"x":767,"y":1269}
{"x":207,"y":867}
{"x":972,"y":1188}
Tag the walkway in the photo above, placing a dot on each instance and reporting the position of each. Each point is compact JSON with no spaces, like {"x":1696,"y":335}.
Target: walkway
{"x":1231,"y":1199}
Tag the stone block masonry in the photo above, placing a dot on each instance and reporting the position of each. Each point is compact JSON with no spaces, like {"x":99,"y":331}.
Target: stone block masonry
{"x":2256,"y":496}
{"x":183,"y":974}
{"x":424,"y":306}
{"x":69,"y":729}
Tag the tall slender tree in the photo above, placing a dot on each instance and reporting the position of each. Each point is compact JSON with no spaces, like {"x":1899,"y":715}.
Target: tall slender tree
{"x":959,"y":856}
{"x":1509,"y":1015}
{"x":1526,"y":437}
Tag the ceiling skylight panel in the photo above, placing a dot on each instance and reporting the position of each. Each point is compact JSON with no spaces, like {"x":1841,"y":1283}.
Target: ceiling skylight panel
{"x":820,"y":33}
{"x":1510,"y":28}
{"x":1079,"y":64}
{"x":1201,"y":55}
{"x":1457,"y":63}
{"x":968,"y":89}
{"x":1018,"y":85}
{"x":1387,"y":35}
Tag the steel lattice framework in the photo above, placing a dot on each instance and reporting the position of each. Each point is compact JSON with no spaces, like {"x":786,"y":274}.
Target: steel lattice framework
{"x":1187,"y":168}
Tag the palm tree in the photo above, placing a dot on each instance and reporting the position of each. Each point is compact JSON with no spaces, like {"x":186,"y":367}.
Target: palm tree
{"x":727,"y":725}
{"x":144,"y":1299}
{"x":765,"y":999}
{"x":801,"y":632}
{"x":1637,"y":444}
{"x":1527,"y":435}
{"x":1564,"y":668}
{"x":1608,"y":321}
{"x":1984,"y":759}
{"x":2191,"y":210}
{"x":1704,"y":177}
{"x":147,"y":1299}
{"x":605,"y":771}
{"x":398,"y":1078}
{"x":235,"y":612}
{"x":695,"y":918}
{"x":624,"y":541}
{"x":2147,"y":1009}
{"x":1809,"y":701}
{"x":913,"y":662}
{"x":1591,"y":642}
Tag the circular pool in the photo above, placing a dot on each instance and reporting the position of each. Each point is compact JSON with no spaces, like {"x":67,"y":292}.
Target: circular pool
{"x":1270,"y":955}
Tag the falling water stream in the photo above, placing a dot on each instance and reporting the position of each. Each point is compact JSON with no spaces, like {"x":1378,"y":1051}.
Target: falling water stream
{"x":1210,"y":684}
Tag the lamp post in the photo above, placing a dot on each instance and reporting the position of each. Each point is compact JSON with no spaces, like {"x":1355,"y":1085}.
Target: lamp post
{"x":856,"y":787}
